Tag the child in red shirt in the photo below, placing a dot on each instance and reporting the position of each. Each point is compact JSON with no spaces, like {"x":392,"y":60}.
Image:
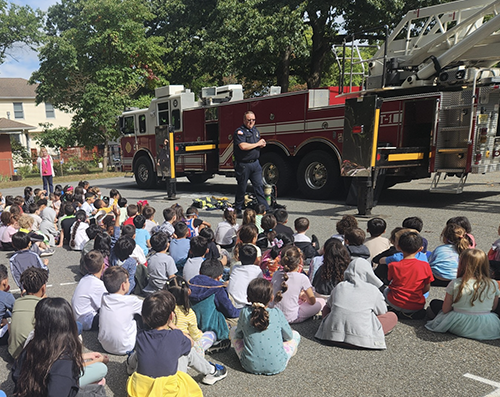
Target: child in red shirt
{"x":409,"y":279}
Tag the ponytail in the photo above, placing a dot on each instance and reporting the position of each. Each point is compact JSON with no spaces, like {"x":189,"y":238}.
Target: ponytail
{"x":230,"y":216}
{"x":259,"y":317}
{"x":179,"y":288}
{"x":291,"y":258}
{"x":259,"y":293}
{"x":457,"y":236}
{"x":80,"y":216}
{"x":73,"y":233}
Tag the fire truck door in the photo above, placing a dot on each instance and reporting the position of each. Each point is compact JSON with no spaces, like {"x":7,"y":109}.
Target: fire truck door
{"x":359,"y":148}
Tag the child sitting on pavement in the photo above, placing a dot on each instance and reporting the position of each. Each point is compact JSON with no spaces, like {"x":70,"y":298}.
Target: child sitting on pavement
{"x":118,"y":313}
{"x":179,"y":245}
{"x":123,"y":249}
{"x":376,"y":243}
{"x":198,"y":247}
{"x":241,"y":275}
{"x":34,"y":282}
{"x":87,"y":297}
{"x":347,"y":222}
{"x":263,"y":340}
{"x":308,"y":246}
{"x":161,"y":266}
{"x":24,"y":257}
{"x":409,"y":279}
{"x":193,"y":222}
{"x":186,"y":319}
{"x":353,"y":240}
{"x":414,"y":222}
{"x":281,"y":216}
{"x":6,"y":302}
{"x":165,"y":351}
{"x":142,"y":236}
{"x":168,"y":225}
{"x":211,"y":303}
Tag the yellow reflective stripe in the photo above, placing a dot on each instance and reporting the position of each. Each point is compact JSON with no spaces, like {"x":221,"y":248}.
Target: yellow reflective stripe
{"x":405,"y":156}
{"x":375,"y":137}
{"x":172,"y":155}
{"x":197,"y":148}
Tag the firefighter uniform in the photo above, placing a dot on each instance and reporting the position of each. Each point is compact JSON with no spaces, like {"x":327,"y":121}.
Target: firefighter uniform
{"x":247,"y":166}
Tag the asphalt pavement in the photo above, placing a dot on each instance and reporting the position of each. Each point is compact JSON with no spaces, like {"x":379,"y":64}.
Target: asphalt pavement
{"x":417,"y":362}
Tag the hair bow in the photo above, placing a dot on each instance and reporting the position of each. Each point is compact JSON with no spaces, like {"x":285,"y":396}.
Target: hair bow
{"x":277,"y":243}
{"x":143,"y":202}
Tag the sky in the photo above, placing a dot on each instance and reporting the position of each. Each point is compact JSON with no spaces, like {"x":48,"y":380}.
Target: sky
{"x":21,"y":61}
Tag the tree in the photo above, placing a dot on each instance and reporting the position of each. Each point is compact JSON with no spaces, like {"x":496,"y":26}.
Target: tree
{"x":18,"y":24}
{"x":96,"y":56}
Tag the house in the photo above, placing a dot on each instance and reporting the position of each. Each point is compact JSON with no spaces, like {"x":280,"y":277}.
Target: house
{"x":8,"y":128}
{"x":17,"y":103}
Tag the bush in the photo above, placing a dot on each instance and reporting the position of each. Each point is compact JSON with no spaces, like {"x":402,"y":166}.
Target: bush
{"x":27,"y":170}
{"x":77,"y":165}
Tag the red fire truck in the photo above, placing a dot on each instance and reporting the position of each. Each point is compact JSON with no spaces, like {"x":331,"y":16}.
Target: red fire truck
{"x":428,"y":105}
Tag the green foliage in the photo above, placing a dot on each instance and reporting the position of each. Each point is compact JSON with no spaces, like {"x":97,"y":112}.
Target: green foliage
{"x":18,"y":24}
{"x":56,"y":138}
{"x":20,"y":154}
{"x":96,"y":56}
{"x":27,"y":170}
{"x":76,"y":165}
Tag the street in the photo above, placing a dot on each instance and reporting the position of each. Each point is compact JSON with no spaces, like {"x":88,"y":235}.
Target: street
{"x":417,"y":362}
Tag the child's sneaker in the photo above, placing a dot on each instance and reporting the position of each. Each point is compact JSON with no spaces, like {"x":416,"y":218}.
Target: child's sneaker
{"x":220,"y":373}
{"x":219,"y":347}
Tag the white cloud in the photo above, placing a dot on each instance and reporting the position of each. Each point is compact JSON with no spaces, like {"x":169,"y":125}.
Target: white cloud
{"x":20,"y":62}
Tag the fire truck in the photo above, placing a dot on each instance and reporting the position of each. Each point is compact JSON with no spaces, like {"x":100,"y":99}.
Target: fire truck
{"x":427,"y":106}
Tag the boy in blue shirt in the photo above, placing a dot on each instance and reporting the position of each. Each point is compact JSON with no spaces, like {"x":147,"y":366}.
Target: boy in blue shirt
{"x":164,"y":349}
{"x":24,"y":257}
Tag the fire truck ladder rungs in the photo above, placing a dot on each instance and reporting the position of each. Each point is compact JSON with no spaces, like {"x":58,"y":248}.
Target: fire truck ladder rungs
{"x":453,"y":187}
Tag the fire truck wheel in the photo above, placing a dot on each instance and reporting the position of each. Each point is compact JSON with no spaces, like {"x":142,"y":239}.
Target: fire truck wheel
{"x":277,"y":171}
{"x":144,"y":174}
{"x":318,"y":175}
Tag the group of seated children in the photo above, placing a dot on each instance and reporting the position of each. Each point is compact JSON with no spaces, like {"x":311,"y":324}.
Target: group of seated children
{"x":206,"y":291}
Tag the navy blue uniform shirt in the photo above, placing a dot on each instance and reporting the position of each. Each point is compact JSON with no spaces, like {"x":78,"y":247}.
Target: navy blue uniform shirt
{"x":243,"y":134}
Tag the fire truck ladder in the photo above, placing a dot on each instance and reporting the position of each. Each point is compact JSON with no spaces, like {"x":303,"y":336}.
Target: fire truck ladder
{"x":453,"y":139}
{"x":351,"y":56}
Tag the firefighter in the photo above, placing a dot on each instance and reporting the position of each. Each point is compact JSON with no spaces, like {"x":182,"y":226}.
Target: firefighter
{"x":247,"y":145}
{"x":163,"y":160}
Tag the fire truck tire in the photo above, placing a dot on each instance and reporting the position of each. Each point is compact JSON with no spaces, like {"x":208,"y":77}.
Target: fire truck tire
{"x":144,"y":173}
{"x":318,"y":175}
{"x":198,"y":179}
{"x":277,"y":171}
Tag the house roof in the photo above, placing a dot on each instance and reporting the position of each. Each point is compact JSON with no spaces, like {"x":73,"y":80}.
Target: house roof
{"x":11,"y":88}
{"x":13,"y":127}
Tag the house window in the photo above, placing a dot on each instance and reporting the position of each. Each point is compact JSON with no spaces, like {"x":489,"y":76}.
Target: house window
{"x":18,"y":110}
{"x":49,"y":111}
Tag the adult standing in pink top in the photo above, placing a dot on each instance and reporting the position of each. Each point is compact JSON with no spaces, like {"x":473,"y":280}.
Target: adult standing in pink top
{"x":45,"y":164}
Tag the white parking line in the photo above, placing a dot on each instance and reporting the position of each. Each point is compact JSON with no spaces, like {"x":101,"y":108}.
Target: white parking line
{"x":48,"y":286}
{"x":494,"y":393}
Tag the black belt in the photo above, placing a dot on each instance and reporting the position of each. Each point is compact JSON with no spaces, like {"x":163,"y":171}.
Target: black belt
{"x":247,"y":162}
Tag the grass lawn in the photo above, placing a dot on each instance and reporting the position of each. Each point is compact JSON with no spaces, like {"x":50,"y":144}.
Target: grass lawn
{"x":35,"y":179}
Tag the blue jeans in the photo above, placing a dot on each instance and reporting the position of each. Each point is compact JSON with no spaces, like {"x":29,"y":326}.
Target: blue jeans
{"x":47,"y":183}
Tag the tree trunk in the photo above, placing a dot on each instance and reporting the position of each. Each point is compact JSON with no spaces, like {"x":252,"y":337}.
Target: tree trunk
{"x":105,"y":157}
{"x":283,"y":70}
{"x":320,"y":47}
